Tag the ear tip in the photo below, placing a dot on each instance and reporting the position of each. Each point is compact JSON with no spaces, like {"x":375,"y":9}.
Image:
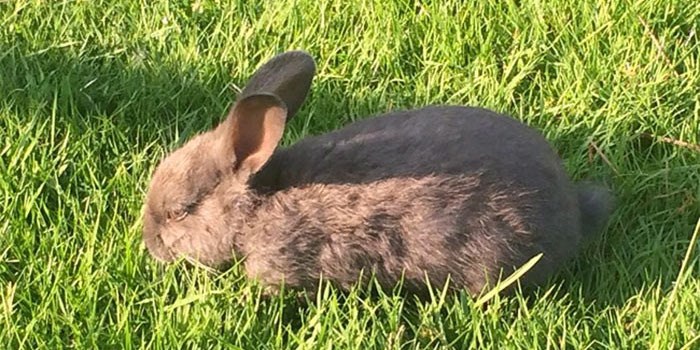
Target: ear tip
{"x":299,"y":54}
{"x":300,"y":59}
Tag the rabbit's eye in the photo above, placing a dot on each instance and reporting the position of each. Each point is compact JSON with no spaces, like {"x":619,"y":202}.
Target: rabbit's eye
{"x":176,"y":215}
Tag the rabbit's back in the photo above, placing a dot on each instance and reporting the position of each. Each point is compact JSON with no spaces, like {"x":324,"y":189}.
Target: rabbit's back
{"x":431,"y":140}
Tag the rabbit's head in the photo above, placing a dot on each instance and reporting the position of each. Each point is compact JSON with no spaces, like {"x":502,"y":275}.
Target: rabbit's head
{"x":198,"y":198}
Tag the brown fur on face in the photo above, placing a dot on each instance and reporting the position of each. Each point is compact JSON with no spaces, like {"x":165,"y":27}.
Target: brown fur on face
{"x":198,"y":194}
{"x":188,"y":213}
{"x":193,"y":191}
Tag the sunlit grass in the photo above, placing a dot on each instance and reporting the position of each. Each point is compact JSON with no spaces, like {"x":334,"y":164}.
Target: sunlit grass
{"x":93,"y":93}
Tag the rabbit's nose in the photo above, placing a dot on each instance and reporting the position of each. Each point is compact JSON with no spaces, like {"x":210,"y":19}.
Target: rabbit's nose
{"x":171,"y":239}
{"x":157,"y":248}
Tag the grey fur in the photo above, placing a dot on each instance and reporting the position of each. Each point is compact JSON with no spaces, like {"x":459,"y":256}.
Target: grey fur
{"x":438,"y":191}
{"x":597,"y":204}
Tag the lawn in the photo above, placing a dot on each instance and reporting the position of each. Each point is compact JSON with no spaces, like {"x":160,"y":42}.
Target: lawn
{"x":94,"y":93}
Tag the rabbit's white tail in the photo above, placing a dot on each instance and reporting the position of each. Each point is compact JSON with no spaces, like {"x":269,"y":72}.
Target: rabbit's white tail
{"x":596,"y":203}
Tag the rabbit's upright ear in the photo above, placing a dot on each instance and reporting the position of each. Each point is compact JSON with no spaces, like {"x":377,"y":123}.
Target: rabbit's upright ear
{"x":287,"y":75}
{"x":251,"y":132}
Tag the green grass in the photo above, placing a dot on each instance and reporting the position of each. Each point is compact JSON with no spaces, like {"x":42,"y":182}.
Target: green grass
{"x":93,"y":93}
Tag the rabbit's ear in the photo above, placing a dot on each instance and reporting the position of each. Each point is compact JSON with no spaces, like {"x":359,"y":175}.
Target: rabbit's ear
{"x":252,"y":131}
{"x":287,"y":75}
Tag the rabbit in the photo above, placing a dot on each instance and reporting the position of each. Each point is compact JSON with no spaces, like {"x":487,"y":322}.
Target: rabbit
{"x":432,"y":196}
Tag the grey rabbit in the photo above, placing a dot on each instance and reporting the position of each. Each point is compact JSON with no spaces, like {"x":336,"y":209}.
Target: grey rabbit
{"x":429,"y":194}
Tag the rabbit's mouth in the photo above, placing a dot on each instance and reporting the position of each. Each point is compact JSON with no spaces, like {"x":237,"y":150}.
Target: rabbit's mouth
{"x":175,"y":250}
{"x":157,"y":247}
{"x":170,"y":247}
